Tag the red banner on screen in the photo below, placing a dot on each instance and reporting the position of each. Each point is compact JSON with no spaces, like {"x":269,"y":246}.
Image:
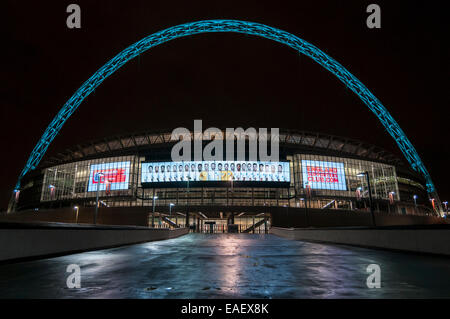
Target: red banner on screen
{"x":112,"y":175}
{"x":317,"y":174}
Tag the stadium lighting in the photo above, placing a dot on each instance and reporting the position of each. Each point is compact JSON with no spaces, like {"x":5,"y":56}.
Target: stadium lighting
{"x":244,"y":27}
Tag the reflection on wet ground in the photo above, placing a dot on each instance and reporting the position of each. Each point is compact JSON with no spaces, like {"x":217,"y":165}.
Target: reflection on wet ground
{"x":230,"y":266}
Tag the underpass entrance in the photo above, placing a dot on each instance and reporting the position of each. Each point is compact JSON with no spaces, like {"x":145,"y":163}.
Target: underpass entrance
{"x":215,"y":222}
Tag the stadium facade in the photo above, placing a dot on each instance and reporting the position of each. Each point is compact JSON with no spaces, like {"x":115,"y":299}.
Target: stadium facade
{"x":315,"y":170}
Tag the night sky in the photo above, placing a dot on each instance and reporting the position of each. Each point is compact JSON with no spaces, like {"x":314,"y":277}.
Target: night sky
{"x":227,"y":80}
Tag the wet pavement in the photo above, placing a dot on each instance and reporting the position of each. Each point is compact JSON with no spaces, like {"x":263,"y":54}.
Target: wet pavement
{"x":230,"y":266}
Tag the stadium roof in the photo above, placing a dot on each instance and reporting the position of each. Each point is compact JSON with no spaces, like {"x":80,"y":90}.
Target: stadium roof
{"x":129,"y":143}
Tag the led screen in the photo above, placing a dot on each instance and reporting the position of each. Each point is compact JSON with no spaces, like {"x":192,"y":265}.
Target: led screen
{"x":109,"y":176}
{"x":210,"y":171}
{"x":323,"y":175}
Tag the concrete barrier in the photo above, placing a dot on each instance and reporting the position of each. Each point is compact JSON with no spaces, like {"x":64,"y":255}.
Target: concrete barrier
{"x":432,"y":239}
{"x":24,"y":240}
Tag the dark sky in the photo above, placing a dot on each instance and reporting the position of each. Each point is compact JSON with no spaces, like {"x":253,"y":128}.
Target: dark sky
{"x":228,"y":80}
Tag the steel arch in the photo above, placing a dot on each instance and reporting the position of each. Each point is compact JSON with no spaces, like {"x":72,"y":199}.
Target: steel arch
{"x":245,"y":27}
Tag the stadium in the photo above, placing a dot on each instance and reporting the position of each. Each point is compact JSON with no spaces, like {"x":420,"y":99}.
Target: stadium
{"x":132,"y":175}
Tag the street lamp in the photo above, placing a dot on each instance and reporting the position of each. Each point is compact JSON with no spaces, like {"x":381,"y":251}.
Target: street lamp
{"x":170,"y":210}
{"x":446,"y":207}
{"x":366,"y":173}
{"x":287,"y":217}
{"x":52,"y":190}
{"x":415,"y":200}
{"x":76,"y":219}
{"x":98,"y":176}
{"x":153,"y":215}
{"x":187,"y":203}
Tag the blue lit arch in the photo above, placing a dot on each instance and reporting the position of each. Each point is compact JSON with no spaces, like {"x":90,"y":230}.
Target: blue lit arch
{"x":245,"y":27}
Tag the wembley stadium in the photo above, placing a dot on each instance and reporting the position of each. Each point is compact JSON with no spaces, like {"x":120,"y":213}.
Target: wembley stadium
{"x":316,"y":172}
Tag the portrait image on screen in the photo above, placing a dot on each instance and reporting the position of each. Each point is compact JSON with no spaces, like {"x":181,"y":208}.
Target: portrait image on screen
{"x":215,"y":171}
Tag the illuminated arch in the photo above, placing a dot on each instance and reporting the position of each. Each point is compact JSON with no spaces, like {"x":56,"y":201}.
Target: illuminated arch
{"x":245,"y":27}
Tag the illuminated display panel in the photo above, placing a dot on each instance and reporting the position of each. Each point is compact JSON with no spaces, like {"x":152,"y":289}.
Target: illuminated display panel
{"x":115,"y":176}
{"x":215,"y":171}
{"x":323,"y":175}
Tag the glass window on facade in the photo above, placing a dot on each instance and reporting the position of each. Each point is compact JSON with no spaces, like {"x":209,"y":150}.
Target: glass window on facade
{"x":339,"y":177}
{"x":113,"y":176}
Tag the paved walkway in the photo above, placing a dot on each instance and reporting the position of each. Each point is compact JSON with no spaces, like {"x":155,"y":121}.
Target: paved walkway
{"x":229,"y":266}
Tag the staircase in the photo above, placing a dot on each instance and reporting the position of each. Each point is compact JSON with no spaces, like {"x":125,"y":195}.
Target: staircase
{"x":251,"y":228}
{"x":171,"y":223}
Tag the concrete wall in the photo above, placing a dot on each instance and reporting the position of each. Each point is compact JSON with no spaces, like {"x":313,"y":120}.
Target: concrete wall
{"x":38,"y":240}
{"x":280,"y":216}
{"x":299,"y":218}
{"x":412,"y":239}
{"x":135,"y":216}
